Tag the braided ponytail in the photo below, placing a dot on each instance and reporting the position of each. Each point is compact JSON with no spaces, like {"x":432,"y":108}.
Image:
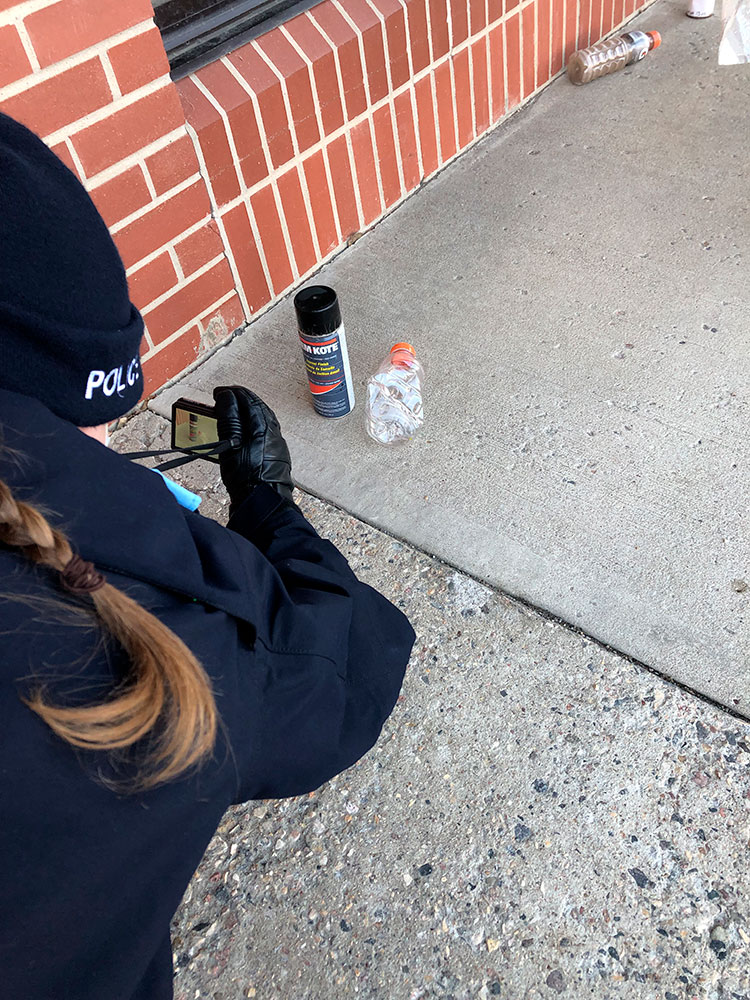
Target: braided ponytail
{"x":168,"y":685}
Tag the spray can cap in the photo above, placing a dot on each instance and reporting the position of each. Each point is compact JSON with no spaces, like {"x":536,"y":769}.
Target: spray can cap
{"x":318,"y":310}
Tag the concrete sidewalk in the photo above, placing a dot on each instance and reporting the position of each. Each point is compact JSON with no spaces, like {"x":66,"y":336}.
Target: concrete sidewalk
{"x":576,"y":286}
{"x":540,"y":818}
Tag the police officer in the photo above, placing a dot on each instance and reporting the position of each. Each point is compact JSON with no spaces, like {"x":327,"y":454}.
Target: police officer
{"x":155,"y":667}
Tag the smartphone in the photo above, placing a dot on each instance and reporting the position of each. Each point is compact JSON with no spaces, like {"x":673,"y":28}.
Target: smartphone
{"x":193,"y":424}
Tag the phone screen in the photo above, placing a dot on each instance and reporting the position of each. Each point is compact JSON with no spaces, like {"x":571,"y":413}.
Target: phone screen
{"x":191,"y":428}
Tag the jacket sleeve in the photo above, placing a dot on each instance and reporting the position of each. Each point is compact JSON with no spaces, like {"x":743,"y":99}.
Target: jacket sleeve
{"x":329,"y":658}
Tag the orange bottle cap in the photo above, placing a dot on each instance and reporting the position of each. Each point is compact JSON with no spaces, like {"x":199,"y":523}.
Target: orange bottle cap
{"x":404,"y":347}
{"x":655,"y":36}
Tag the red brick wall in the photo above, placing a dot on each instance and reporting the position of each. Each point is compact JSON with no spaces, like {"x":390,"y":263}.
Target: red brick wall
{"x":314,"y":131}
{"x":92,"y":79}
{"x":232,"y":186}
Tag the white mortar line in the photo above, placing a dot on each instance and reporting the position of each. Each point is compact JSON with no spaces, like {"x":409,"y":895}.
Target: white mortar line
{"x":94,"y":117}
{"x":490,"y":77}
{"x":319,"y":119}
{"x":417,"y":133}
{"x":332,"y":196}
{"x":397,"y":147}
{"x":433,"y":91}
{"x":109,"y":72}
{"x":273,"y":173}
{"x":258,"y":116}
{"x":16,"y":14}
{"x":345,"y":129}
{"x":310,"y":76}
{"x":197,"y":321}
{"x":365,"y":75}
{"x":75,"y":158}
{"x":506,"y":93}
{"x":360,"y":44}
{"x":69,"y":62}
{"x":407,"y":29}
{"x":306,"y":197}
{"x":284,"y":227}
{"x":219,"y":302}
{"x":284,"y":94}
{"x":139,"y":156}
{"x":308,"y":207}
{"x":336,"y":63}
{"x":430,"y":47}
{"x":295,"y":146}
{"x":376,"y":159}
{"x":451,"y":69}
{"x":158,"y":348}
{"x":323,"y":148}
{"x":536,"y":45}
{"x":355,"y":179}
{"x":23,"y":32}
{"x":185,"y":282}
{"x":222,"y":230}
{"x":149,"y":258}
{"x":342,"y":130}
{"x":173,"y":256}
{"x":470,"y":61}
{"x":261,"y":253}
{"x":145,"y":209}
{"x":522,"y":82}
{"x":411,"y":91}
{"x":149,"y":182}
{"x":387,"y":52}
{"x":240,"y":178}
{"x":551,"y":37}
{"x":218,"y":107}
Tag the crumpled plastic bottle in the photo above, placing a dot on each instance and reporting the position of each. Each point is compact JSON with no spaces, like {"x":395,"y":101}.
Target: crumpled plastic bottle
{"x":394,"y":411}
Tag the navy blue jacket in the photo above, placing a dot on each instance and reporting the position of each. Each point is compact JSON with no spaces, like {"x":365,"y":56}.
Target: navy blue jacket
{"x":306,"y":663}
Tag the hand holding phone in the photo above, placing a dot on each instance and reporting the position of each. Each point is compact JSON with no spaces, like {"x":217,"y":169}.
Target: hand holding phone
{"x":194,"y":425}
{"x":262,"y":455}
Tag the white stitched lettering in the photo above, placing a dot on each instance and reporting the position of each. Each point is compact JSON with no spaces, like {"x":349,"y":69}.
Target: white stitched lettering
{"x":95,"y":380}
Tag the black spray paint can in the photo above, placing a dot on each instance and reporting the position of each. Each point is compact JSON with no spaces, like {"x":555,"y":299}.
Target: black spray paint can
{"x":323,"y":340}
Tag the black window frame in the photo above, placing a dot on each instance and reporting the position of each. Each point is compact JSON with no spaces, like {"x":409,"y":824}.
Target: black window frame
{"x":196,"y":32}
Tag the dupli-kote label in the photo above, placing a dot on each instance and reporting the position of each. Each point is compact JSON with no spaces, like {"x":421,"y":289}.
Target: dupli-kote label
{"x":328,"y":372}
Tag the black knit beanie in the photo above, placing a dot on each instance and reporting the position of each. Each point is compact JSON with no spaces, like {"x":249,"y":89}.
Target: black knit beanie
{"x":69,"y":335}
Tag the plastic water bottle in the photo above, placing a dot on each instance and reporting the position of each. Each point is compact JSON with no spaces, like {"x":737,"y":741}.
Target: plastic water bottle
{"x":394,"y":397}
{"x":611,"y":55}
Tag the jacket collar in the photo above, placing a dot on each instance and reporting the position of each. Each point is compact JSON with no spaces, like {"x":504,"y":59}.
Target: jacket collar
{"x":117,"y":514}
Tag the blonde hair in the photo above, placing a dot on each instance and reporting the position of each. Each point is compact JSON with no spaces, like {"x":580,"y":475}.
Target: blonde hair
{"x":167,"y":685}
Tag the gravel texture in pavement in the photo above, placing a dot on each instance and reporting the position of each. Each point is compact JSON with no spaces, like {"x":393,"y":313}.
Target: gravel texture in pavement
{"x":540,"y":817}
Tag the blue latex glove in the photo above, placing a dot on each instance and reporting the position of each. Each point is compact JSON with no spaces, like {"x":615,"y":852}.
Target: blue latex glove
{"x":186,"y":499}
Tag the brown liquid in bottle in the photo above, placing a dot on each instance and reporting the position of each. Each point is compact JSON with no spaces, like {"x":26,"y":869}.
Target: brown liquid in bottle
{"x":611,"y":55}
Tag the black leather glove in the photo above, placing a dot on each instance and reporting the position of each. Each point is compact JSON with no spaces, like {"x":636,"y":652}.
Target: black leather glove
{"x":260,"y":455}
